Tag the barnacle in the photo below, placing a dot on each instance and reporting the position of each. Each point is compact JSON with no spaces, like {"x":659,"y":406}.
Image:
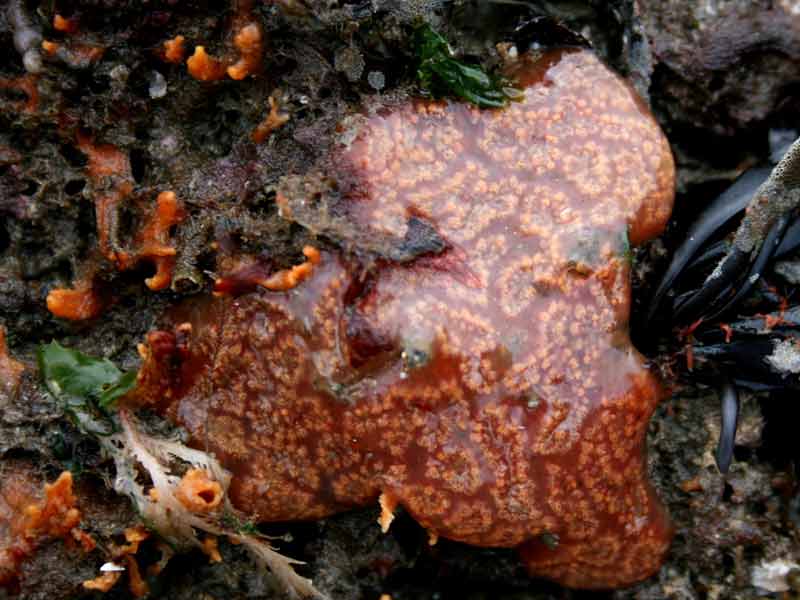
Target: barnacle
{"x":466,"y":354}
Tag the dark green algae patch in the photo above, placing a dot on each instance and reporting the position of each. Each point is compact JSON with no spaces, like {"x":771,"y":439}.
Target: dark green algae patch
{"x":441,"y":74}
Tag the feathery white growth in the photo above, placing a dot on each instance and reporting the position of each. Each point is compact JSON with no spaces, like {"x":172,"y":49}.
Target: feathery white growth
{"x":785,"y":357}
{"x":771,"y":576}
{"x":163,"y":511}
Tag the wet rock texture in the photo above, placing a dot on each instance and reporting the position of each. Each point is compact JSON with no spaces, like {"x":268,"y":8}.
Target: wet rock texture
{"x":731,"y":61}
{"x":719,"y":76}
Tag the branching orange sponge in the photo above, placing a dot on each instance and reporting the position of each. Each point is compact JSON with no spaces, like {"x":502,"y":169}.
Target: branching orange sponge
{"x":109,"y":170}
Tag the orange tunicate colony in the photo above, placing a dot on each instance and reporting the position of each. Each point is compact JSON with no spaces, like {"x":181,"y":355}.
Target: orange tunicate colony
{"x":490,"y":386}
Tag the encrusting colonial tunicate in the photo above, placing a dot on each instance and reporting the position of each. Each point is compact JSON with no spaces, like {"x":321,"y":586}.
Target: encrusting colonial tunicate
{"x":475,"y":368}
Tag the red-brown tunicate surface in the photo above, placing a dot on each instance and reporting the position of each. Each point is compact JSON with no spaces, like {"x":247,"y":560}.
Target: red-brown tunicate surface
{"x":487,"y":385}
